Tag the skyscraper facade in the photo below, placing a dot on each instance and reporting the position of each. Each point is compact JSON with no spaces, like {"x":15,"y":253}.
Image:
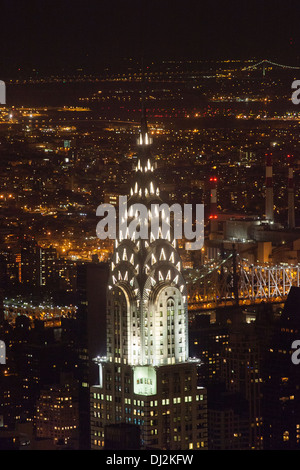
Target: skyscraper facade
{"x":281,"y":396}
{"x":147,"y":377}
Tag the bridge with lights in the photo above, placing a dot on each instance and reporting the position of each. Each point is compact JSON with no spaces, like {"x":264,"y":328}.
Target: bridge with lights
{"x":265,"y":63}
{"x":234,"y":281}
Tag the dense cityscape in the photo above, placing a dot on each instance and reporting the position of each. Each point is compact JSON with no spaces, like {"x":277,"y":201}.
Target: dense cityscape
{"x":80,"y":366}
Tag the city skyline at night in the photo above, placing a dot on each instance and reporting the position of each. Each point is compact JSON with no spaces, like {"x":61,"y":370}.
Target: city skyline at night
{"x":149,"y":344}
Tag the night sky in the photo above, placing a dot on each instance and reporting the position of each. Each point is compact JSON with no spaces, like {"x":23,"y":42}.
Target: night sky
{"x":49,"y":34}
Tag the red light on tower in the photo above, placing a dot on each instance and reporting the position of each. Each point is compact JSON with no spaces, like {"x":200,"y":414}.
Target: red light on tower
{"x":213,"y":197}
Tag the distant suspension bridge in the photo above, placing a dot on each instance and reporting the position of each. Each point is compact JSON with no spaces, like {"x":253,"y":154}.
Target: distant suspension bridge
{"x":265,"y":63}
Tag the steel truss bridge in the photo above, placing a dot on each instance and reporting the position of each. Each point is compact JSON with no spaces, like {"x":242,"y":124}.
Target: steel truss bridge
{"x":233,"y":281}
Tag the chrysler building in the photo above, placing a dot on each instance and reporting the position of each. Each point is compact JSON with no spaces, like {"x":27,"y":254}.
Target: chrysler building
{"x":147,"y":377}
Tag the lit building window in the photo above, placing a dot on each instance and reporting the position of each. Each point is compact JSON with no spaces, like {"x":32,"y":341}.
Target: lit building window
{"x":286,"y":436}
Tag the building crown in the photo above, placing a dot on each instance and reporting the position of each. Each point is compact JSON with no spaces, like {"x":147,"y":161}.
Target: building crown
{"x":147,"y":298}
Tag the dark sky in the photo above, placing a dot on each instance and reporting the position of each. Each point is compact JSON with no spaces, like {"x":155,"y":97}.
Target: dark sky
{"x":53,"y":34}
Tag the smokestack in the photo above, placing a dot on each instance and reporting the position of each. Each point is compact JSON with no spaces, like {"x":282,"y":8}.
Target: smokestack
{"x":291,"y":198}
{"x":269,"y":188}
{"x":213,"y":217}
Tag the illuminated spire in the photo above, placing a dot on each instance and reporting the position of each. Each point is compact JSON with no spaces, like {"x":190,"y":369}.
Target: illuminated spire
{"x":145,"y":278}
{"x":144,"y":124}
{"x":144,"y":138}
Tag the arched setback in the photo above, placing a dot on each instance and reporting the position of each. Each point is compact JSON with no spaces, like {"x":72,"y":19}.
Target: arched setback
{"x":165,"y":328}
{"x":123,"y":326}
